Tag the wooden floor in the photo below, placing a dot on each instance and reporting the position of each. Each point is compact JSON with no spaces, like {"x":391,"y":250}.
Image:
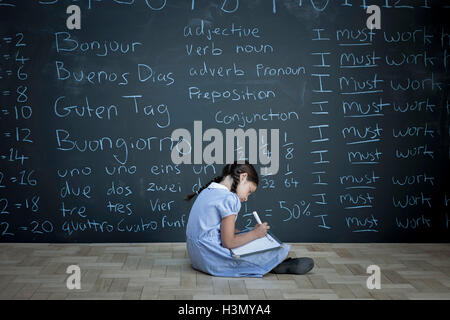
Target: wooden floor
{"x":163,"y":271}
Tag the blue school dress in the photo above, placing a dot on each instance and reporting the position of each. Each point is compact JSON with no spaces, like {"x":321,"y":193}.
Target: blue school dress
{"x":204,"y":243}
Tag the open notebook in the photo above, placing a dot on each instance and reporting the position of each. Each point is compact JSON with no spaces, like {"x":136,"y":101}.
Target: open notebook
{"x":269,"y":242}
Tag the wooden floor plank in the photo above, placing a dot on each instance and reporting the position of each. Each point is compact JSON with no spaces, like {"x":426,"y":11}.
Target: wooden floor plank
{"x":37,"y":271}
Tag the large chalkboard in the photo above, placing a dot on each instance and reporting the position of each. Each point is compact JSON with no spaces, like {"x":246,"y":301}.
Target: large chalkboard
{"x":87,"y":116}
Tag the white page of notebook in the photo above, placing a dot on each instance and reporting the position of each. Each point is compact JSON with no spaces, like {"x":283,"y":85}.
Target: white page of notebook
{"x":259,"y":244}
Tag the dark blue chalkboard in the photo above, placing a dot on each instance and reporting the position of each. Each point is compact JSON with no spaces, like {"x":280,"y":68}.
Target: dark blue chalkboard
{"x":87,"y":116}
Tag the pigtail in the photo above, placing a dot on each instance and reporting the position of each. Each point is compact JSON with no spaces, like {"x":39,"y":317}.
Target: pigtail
{"x":233,"y":170}
{"x":193,"y":194}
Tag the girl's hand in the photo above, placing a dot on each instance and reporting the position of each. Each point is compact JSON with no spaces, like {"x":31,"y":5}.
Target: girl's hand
{"x":260,"y":230}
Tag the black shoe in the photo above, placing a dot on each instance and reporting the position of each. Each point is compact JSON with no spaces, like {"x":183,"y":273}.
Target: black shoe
{"x":294,"y":266}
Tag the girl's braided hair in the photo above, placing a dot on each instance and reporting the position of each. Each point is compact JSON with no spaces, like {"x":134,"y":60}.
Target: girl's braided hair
{"x":234,"y":170}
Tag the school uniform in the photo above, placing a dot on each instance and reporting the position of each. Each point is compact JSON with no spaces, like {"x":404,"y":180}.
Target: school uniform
{"x":203,"y":238}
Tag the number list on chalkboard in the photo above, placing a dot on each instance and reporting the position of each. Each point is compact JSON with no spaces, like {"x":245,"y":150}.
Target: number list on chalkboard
{"x":88,"y":114}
